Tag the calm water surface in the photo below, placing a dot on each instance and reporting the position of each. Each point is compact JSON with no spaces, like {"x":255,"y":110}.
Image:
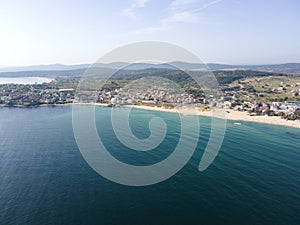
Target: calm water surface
{"x":255,"y":179}
{"x":24,"y":80}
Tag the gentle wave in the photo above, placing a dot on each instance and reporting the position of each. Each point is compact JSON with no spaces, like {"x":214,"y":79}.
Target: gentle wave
{"x":45,"y":180}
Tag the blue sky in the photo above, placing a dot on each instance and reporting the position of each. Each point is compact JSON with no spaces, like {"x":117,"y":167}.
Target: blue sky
{"x":223,"y":31}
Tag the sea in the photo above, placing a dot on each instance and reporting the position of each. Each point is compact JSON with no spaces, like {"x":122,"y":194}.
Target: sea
{"x":24,"y":80}
{"x":44,"y":179}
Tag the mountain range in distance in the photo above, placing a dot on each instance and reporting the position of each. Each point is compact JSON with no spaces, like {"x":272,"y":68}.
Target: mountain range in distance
{"x":289,"y":68}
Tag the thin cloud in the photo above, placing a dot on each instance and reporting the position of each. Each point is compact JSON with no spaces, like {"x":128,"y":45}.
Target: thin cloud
{"x":177,"y":4}
{"x":151,"y":30}
{"x":137,"y":4}
{"x":183,"y":17}
{"x":181,"y":11}
{"x":204,"y":6}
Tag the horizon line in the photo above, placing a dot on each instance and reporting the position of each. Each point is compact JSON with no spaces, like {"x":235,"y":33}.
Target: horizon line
{"x":78,"y":64}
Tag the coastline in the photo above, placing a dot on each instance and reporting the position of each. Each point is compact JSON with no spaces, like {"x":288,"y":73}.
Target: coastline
{"x":235,"y":116}
{"x":230,"y":114}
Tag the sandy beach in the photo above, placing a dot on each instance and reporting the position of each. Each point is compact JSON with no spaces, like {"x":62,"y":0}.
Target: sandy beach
{"x":229,"y":114}
{"x":234,"y":116}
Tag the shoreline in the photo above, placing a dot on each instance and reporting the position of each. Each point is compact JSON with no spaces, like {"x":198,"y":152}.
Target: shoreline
{"x":234,"y":116}
{"x":230,"y":114}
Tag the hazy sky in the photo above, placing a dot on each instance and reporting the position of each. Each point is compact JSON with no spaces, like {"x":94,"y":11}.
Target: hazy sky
{"x":223,"y":31}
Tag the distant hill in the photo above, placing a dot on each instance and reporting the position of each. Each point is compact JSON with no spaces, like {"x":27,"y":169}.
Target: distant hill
{"x":50,"y":73}
{"x":52,"y":67}
{"x":58,"y":70}
{"x":279,"y":68}
{"x":178,"y":76}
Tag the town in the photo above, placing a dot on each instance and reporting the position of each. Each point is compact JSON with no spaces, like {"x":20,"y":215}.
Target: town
{"x":243,"y":95}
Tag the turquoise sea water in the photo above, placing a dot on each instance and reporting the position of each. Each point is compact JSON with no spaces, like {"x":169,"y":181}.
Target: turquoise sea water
{"x":44,"y":179}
